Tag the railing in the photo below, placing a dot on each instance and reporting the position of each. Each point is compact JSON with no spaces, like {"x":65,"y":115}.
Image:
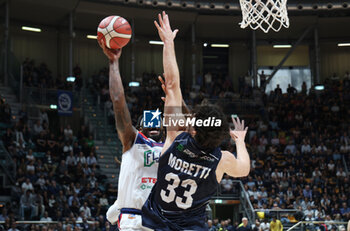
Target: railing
{"x":246,"y":204}
{"x":7,"y":163}
{"x":306,"y":224}
{"x":238,"y":193}
{"x":279,"y":213}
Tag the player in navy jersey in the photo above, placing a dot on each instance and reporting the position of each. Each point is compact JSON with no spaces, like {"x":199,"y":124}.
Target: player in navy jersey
{"x":192,"y":164}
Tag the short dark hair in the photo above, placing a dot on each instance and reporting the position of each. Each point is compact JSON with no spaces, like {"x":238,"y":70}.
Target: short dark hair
{"x":210,"y":137}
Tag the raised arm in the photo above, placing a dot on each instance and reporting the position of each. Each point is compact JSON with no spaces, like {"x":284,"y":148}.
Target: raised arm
{"x":126,"y":131}
{"x":173,"y":99}
{"x":185,"y":108}
{"x":229,"y":164}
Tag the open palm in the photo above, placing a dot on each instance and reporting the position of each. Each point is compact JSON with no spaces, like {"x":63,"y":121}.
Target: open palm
{"x":238,"y":134}
{"x":164,"y":29}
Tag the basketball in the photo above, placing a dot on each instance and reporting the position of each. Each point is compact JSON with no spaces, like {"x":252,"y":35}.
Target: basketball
{"x":115,"y":31}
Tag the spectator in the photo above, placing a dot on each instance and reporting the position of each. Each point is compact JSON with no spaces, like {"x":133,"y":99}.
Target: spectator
{"x":27,"y":185}
{"x":3,"y":214}
{"x":26,"y":203}
{"x":307,"y":192}
{"x":275,"y":224}
{"x":13,"y":227}
{"x":71,"y":160}
{"x":38,"y":128}
{"x":91,"y":159}
{"x":226,"y":184}
{"x":38,"y":206}
{"x":86,"y":210}
{"x":210,"y":226}
{"x":81,"y":158}
{"x":68,"y":133}
{"x":265,"y":225}
{"x":244,"y":226}
{"x":257,"y":226}
{"x":46,"y":217}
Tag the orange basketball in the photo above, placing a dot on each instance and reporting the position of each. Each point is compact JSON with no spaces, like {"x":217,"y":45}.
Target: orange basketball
{"x":115,"y":31}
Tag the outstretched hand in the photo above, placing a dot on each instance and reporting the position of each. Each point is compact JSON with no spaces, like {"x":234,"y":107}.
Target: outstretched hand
{"x":238,"y":134}
{"x":111,"y":54}
{"x":165,"y":32}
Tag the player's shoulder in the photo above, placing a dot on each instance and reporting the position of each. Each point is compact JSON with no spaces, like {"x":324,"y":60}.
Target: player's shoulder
{"x":225,"y":155}
{"x":142,"y":139}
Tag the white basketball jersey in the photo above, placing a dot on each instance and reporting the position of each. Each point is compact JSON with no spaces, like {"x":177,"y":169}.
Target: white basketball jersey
{"x":138,"y":172}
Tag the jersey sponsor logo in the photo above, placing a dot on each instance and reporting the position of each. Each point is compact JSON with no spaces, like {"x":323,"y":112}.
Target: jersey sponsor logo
{"x":191,"y":169}
{"x":147,"y":182}
{"x":151,"y":157}
{"x":181,"y":148}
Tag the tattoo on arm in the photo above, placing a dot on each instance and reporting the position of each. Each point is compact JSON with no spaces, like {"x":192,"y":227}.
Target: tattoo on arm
{"x":126,"y":131}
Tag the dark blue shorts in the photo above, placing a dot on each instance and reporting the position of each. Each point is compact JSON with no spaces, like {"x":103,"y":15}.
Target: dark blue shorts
{"x":155,"y":218}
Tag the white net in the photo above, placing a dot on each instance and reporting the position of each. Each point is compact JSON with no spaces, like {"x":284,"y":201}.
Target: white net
{"x":264,"y":14}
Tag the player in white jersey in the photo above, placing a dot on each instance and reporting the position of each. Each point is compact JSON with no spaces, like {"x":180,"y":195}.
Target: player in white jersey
{"x":141,"y":150}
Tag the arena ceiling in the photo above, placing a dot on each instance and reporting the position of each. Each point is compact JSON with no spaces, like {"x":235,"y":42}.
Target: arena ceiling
{"x":211,"y":24}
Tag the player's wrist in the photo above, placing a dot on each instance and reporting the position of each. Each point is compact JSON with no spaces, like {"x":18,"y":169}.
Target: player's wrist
{"x":168,"y":41}
{"x":239,"y":141}
{"x":114,"y":61}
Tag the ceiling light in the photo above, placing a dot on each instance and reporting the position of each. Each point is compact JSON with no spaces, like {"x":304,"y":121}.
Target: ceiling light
{"x":343,"y":44}
{"x":156,"y":42}
{"x":282,"y":46}
{"x":33,"y":29}
{"x":219,"y":45}
{"x":134,"y":84}
{"x":90,"y":36}
{"x":319,"y":87}
{"x":70,"y":79}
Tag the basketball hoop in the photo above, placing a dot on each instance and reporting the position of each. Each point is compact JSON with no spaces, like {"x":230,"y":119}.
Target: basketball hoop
{"x":264,"y":14}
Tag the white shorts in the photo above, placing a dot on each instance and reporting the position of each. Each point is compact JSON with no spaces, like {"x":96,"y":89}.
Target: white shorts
{"x":131,"y":222}
{"x":125,"y":221}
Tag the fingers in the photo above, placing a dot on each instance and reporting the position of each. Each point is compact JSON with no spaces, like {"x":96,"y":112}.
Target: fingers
{"x":242,"y":124}
{"x":164,"y":88}
{"x":157,"y":25}
{"x":166,"y":19}
{"x":238,"y":122}
{"x":163,"y":98}
{"x":160,"y":19}
{"x":233,"y":136}
{"x":234,"y":121}
{"x":175,"y":32}
{"x":161,"y":80}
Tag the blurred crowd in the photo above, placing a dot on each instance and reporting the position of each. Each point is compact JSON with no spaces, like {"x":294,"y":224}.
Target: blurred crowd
{"x":40,"y":76}
{"x":299,"y":154}
{"x":57,"y":179}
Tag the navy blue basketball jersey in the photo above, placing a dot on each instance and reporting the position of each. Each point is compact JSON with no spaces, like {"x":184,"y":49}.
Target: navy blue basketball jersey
{"x":186,"y":181}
